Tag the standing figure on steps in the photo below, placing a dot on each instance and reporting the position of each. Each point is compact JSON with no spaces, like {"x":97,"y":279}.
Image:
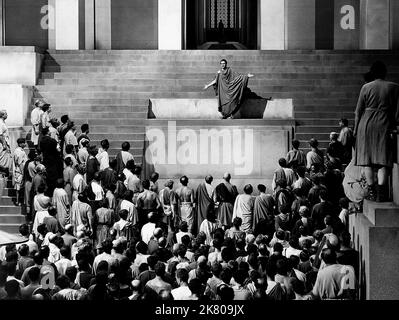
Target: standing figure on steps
{"x":376,"y":116}
{"x":229,"y":87}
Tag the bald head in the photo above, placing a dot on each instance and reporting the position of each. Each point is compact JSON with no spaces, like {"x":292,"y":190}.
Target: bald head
{"x":227,"y":176}
{"x":201,"y":261}
{"x":136,"y":285}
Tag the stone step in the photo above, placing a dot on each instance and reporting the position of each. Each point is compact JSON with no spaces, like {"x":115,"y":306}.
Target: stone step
{"x":210,"y":67}
{"x":100,"y":103}
{"x":10,"y":227}
{"x":6,"y":201}
{"x":308,"y":136}
{"x":323,"y":108}
{"x":306,"y":97}
{"x":332,"y":122}
{"x":309,"y":129}
{"x":323,"y":115}
{"x":135,"y":132}
{"x":9,"y":192}
{"x":201,"y":64}
{"x":84,"y":114}
{"x":196,"y":81}
{"x":230,"y":55}
{"x":12,"y":218}
{"x":11,"y":209}
{"x":196,"y":87}
{"x":201,"y":75}
{"x":131,"y":137}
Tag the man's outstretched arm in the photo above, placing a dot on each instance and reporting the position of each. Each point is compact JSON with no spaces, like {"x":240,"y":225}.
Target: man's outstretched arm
{"x":210,"y":84}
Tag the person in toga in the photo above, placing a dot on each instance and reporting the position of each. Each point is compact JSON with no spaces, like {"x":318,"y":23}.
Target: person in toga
{"x":229,"y":87}
{"x":205,"y":197}
{"x":226,"y":195}
{"x":376,"y":116}
{"x":185,"y":197}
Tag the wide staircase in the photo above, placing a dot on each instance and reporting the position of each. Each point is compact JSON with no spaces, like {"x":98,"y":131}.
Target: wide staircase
{"x":10,"y":215}
{"x":110,"y":90}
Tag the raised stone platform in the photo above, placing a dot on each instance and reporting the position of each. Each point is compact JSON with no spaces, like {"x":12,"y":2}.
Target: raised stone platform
{"x":375,"y":233}
{"x":208,"y":109}
{"x":248,"y":149}
{"x":16,"y":100}
{"x":20,"y":65}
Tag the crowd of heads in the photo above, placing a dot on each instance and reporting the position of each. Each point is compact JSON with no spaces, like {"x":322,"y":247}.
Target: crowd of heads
{"x":105,"y":232}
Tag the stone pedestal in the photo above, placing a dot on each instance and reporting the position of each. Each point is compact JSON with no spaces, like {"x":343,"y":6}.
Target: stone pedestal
{"x":170,"y":31}
{"x":248,"y":149}
{"x":375,"y":233}
{"x":375,"y":24}
{"x":346,"y":24}
{"x":20,"y":65}
{"x":208,"y":109}
{"x":300,"y":24}
{"x":271,"y":24}
{"x":103,"y":24}
{"x":16,"y":100}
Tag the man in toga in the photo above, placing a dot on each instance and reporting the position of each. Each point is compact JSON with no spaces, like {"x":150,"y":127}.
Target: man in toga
{"x":226,"y":195}
{"x":229,"y":87}
{"x":204,"y":199}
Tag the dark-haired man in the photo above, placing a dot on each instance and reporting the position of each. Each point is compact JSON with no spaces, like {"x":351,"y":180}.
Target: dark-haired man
{"x":334,"y":280}
{"x":205,"y":199}
{"x":106,"y":255}
{"x":157,"y":284}
{"x":347,"y":140}
{"x":185,"y":196}
{"x":229,"y":87}
{"x":51,"y":160}
{"x":147,"y":202}
{"x":295,"y":155}
{"x":84,"y":128}
{"x":183,"y":292}
{"x":244,"y":208}
{"x":226,"y":195}
{"x":102,"y":155}
{"x":263,"y":207}
{"x":19,"y":159}
{"x":123,"y":157}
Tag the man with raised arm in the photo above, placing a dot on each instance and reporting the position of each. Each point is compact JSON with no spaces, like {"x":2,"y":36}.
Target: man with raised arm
{"x":229,"y":87}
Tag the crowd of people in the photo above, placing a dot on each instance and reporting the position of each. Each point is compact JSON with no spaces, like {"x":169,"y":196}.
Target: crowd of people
{"x":97,"y":230}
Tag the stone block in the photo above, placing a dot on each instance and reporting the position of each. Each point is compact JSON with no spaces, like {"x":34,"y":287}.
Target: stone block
{"x":20,"y":65}
{"x":16,"y":99}
{"x":248,"y":149}
{"x":208,"y":109}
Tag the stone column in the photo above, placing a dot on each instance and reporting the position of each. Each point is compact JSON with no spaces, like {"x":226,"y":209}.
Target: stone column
{"x":394,"y":24}
{"x":89,"y":24}
{"x":300,"y":24}
{"x":67,"y":24}
{"x":1,"y":23}
{"x":374,"y":24}
{"x":271,"y":24}
{"x":346,"y":24}
{"x":68,"y":29}
{"x":103,"y":24}
{"x":170,"y":24}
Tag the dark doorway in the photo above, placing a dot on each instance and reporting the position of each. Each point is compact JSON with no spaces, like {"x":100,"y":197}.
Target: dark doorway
{"x":221,"y":24}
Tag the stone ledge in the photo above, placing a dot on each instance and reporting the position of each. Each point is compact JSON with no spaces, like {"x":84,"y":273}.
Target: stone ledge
{"x":381,"y":214}
{"x":208,"y":109}
{"x":21,"y":49}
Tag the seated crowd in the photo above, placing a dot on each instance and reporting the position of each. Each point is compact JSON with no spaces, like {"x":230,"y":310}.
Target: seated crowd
{"x":97,"y":230}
